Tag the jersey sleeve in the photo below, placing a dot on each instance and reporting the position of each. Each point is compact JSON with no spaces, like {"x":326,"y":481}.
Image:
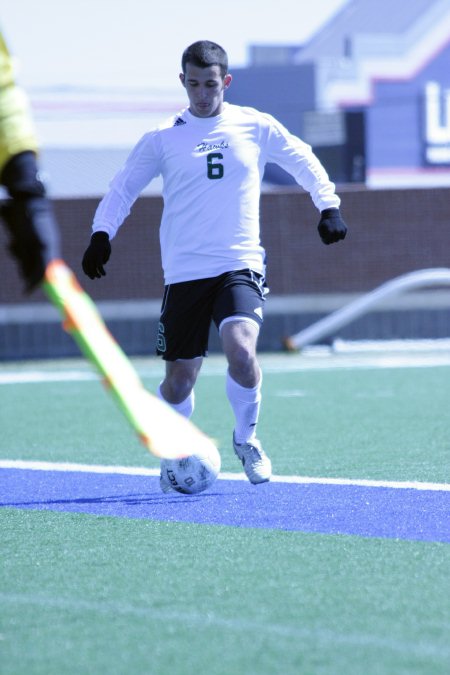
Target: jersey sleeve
{"x":17,"y":132}
{"x":297,"y":158}
{"x":142,"y":165}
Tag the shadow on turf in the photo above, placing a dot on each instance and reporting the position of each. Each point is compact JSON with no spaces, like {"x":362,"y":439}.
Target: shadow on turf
{"x":129,"y":500}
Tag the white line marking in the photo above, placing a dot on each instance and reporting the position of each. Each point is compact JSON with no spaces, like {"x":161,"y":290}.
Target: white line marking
{"x":291,"y":393}
{"x":36,"y":376}
{"x":318,"y":359}
{"x":240,"y":624}
{"x":80,"y":468}
{"x":144,"y":471}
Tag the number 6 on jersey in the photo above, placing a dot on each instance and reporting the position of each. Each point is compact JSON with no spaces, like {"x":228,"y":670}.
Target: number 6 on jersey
{"x":215,"y":169}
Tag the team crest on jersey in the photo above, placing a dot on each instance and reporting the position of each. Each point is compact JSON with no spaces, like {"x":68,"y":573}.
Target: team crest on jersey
{"x":179,"y":122}
{"x":209,"y":147}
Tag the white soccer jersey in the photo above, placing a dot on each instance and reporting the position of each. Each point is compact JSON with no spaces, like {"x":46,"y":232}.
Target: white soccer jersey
{"x":212,"y":170}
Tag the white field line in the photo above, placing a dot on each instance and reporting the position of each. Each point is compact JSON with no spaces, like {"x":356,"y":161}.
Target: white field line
{"x":37,"y":376}
{"x":144,"y":471}
{"x":424,"y":648}
{"x":319,"y":359}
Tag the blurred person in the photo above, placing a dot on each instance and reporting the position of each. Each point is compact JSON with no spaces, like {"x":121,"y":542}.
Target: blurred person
{"x":27,"y":214}
{"x":211,"y":157}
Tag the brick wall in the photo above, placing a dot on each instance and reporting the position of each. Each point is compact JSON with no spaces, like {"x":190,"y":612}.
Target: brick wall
{"x":391,"y":232}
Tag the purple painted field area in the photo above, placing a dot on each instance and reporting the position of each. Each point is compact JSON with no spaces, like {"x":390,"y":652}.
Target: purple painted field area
{"x":422,"y":515}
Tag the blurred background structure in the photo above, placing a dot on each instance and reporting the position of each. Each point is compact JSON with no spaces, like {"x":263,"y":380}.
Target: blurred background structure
{"x":367,"y":85}
{"x":370,"y":91}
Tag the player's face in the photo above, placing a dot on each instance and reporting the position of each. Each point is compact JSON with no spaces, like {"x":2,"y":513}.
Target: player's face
{"x":205,"y":89}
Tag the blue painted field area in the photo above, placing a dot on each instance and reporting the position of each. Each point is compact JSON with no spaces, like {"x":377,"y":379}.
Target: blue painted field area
{"x":422,"y":515}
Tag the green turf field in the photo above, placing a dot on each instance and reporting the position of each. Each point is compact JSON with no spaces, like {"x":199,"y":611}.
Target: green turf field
{"x":88,"y":594}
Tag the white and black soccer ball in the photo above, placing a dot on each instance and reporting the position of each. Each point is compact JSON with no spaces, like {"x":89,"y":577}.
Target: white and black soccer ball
{"x":192,"y":474}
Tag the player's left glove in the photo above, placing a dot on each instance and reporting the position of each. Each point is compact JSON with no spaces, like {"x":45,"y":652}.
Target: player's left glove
{"x":29,"y":219}
{"x":332,"y":227}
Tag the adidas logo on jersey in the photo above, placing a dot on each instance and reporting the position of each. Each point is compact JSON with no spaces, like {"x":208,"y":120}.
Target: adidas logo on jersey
{"x":179,"y":122}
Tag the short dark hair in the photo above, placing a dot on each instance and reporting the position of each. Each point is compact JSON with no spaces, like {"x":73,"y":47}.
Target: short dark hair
{"x":204,"y":54}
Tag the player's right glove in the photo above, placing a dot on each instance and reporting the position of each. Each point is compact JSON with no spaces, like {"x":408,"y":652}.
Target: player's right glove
{"x":332,"y":227}
{"x":96,"y":255}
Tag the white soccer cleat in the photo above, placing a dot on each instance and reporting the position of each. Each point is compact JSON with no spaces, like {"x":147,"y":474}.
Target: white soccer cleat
{"x":257,"y":465}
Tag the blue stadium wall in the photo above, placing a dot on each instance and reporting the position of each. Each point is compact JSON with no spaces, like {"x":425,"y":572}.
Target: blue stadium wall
{"x":396,"y":118}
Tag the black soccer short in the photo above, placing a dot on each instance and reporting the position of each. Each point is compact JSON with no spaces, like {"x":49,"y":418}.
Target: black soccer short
{"x":189,"y":307}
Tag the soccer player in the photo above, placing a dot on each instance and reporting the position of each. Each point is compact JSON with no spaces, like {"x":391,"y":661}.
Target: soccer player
{"x":27,"y":214}
{"x":211,"y":157}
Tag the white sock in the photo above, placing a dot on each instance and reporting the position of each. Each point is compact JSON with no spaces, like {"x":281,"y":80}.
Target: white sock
{"x":185,"y":408}
{"x":245,"y":403}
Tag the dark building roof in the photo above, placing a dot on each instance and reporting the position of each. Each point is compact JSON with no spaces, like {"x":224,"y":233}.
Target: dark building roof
{"x":367,"y":17}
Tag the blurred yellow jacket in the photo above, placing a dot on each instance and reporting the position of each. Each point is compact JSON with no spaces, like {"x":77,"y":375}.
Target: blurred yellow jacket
{"x":17,"y":132}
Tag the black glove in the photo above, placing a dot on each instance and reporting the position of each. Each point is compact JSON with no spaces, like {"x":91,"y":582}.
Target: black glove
{"x":331,"y":227}
{"x":96,"y":255}
{"x":29,"y":219}
{"x":34,"y":237}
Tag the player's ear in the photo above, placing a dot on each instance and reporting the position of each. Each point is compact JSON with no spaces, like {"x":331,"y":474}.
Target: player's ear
{"x":227,"y":81}
{"x":182,"y":79}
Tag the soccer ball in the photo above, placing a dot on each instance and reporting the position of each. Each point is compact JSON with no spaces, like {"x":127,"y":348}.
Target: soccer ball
{"x":192,"y":474}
